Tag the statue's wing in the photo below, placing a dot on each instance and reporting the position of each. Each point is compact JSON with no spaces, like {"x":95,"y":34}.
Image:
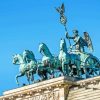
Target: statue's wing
{"x":63,"y":7}
{"x":88,"y":40}
{"x":58,"y":9}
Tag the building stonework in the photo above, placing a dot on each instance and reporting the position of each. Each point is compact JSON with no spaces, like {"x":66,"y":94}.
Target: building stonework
{"x":88,"y":89}
{"x":61,"y":88}
{"x":53,"y":89}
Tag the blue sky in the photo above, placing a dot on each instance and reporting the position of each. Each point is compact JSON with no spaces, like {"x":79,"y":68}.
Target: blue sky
{"x":26,"y":23}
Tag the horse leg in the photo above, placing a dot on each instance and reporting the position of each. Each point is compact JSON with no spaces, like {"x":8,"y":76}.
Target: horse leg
{"x":65,"y":69}
{"x":41,"y":75}
{"x":51,"y":73}
{"x":32,"y":76}
{"x":28,"y":77}
{"x":78,"y":68}
{"x":17,"y":76}
{"x":45,"y":75}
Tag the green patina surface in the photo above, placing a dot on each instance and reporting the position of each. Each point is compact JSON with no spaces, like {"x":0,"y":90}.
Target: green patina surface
{"x":73,"y":62}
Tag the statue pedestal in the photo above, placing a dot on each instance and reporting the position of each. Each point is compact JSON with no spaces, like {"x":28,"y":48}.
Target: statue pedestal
{"x":53,"y":89}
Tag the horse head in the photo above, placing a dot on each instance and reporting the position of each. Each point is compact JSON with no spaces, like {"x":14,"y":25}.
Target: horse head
{"x":47,"y":56}
{"x":63,"y":45}
{"x":63,"y":55}
{"x":44,"y":50}
{"x":17,"y":59}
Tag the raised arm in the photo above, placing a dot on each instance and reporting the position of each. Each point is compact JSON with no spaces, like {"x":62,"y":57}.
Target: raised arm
{"x":68,"y":37}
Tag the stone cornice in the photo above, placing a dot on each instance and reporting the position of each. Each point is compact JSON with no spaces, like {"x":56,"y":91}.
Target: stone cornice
{"x":38,"y":87}
{"x":49,"y":86}
{"x":85,"y":82}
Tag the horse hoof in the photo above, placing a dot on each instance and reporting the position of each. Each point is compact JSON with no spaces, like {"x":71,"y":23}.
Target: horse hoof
{"x":24,"y":84}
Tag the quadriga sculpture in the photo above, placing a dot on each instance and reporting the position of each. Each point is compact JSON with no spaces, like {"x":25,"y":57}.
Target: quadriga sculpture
{"x":71,"y":63}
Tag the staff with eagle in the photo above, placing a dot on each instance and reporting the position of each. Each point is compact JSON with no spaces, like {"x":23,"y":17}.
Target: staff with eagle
{"x":80,"y":42}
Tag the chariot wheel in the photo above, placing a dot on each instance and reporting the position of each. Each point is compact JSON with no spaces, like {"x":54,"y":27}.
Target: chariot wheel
{"x":92,"y":66}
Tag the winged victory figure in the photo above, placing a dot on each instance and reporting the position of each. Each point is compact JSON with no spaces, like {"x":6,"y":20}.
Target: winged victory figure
{"x":61,"y":11}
